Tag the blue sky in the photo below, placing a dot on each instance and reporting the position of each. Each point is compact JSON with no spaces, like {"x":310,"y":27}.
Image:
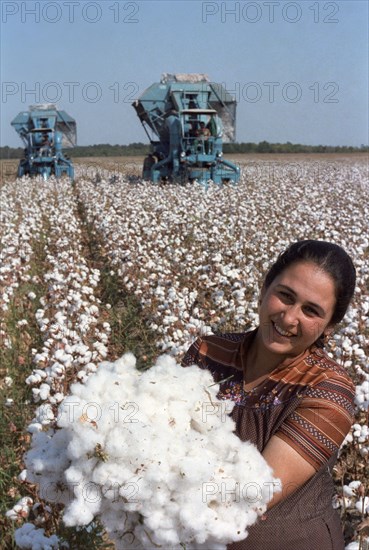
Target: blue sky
{"x":299,"y":70}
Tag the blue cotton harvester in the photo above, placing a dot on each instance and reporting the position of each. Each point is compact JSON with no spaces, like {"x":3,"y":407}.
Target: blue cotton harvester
{"x":187,"y":118}
{"x":45,"y":131}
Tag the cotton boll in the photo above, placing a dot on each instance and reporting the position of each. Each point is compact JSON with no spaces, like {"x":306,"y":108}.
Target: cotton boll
{"x":198,"y":473}
{"x":90,"y":367}
{"x":56,"y":398}
{"x":28,"y":536}
{"x":133,"y":412}
{"x":33,"y":379}
{"x":163,"y":482}
{"x":206,"y":415}
{"x":178,"y":413}
{"x":170,"y":536}
{"x":45,"y":414}
{"x":158,"y":520}
{"x":69,"y":411}
{"x":125,"y":363}
{"x":85,"y":442}
{"x":46,"y":453}
{"x":166,"y":361}
{"x":34,"y":427}
{"x":116,"y":474}
{"x":363,"y":505}
{"x":129,"y":490}
{"x":161,"y":489}
{"x":93,"y":385}
{"x":349,"y":490}
{"x":23,"y":475}
{"x":80,"y":512}
{"x":116,"y":446}
{"x":195,"y":515}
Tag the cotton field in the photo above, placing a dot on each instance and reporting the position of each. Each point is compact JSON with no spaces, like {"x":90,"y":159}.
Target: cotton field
{"x":193,"y":258}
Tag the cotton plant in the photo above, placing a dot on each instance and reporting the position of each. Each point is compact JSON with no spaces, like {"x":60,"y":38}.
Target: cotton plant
{"x":154,"y":455}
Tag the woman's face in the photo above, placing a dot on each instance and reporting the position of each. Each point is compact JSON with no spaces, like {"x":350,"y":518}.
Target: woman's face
{"x":296,"y":309}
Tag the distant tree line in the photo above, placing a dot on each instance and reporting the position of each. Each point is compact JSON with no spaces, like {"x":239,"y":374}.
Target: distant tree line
{"x":266,"y":147}
{"x":101,"y":150}
{"x":107,"y":150}
{"x":11,"y":152}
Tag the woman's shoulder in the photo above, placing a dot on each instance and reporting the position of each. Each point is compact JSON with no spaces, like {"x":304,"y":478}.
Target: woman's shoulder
{"x":315,"y":375}
{"x":326,"y":368}
{"x":329,"y":386}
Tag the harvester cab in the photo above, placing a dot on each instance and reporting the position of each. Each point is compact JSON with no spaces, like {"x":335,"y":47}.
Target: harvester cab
{"x":187,"y":118}
{"x":45,"y":131}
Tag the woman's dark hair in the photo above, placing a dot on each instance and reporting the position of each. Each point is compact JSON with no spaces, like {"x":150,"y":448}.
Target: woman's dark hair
{"x":329,"y":257}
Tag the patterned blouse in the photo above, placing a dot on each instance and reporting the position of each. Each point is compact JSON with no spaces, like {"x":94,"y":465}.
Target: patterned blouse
{"x":307,"y":401}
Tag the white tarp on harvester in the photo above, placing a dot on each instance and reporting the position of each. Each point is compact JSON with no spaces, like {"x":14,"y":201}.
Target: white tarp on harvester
{"x":184,"y":77}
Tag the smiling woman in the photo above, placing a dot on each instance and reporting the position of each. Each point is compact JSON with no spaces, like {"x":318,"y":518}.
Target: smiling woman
{"x":293,"y":402}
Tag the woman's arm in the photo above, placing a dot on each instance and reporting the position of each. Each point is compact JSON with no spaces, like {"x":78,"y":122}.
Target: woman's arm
{"x":313,"y":433}
{"x":290,"y":467}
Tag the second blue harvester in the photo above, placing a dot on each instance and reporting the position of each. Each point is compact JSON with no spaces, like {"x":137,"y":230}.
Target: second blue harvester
{"x":45,"y":131}
{"x":187,"y":118}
